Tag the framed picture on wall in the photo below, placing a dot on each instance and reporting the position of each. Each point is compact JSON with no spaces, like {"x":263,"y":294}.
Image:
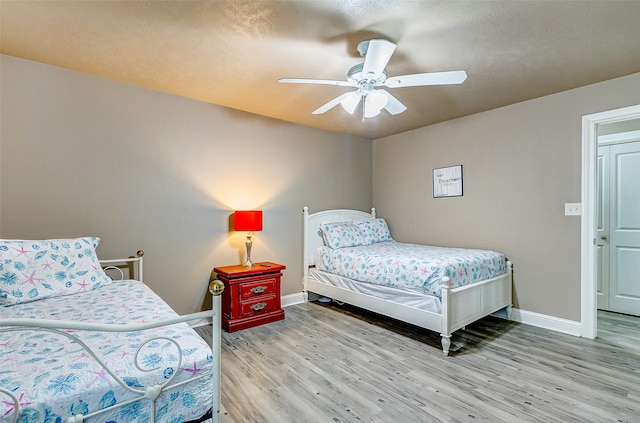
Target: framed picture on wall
{"x":447,"y":182}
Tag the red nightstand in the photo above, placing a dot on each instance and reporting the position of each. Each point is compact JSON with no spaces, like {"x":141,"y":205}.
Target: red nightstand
{"x":251,"y":295}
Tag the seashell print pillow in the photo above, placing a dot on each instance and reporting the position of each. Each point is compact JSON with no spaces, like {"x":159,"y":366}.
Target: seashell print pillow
{"x":35,"y":269}
{"x":374,"y":230}
{"x":341,"y":235}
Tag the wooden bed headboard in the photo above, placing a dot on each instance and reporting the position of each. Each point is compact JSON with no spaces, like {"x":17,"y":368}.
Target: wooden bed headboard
{"x":311,"y":229}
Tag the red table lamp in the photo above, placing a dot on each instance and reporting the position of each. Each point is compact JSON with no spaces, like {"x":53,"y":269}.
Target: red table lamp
{"x":250,"y":221}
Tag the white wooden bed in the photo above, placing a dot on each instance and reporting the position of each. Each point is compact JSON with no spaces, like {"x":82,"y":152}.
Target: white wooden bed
{"x":459,"y":306}
{"x":97,"y":350}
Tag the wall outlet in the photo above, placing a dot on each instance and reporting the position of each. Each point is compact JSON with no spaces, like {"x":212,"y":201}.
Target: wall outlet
{"x":572,"y":209}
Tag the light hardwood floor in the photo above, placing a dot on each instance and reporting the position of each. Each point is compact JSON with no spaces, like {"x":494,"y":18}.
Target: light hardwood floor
{"x":325,"y":364}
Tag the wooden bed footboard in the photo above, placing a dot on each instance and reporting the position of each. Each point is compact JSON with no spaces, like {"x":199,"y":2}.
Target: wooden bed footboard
{"x":466,"y":304}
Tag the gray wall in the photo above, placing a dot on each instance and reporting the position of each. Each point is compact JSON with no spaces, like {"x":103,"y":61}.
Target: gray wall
{"x":521,"y":163}
{"x":83,"y":155}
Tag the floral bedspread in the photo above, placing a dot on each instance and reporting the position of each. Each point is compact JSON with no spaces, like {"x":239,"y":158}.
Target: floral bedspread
{"x":54,"y":378}
{"x":410,"y":265}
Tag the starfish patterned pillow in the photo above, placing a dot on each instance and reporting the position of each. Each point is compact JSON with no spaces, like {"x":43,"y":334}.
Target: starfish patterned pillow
{"x":35,"y":269}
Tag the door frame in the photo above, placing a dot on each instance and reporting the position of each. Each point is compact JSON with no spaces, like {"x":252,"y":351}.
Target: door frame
{"x":588,"y":315}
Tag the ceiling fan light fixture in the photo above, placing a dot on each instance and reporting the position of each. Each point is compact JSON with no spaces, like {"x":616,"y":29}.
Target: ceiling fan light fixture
{"x":371,"y":112}
{"x":374,"y":103}
{"x":350,"y":102}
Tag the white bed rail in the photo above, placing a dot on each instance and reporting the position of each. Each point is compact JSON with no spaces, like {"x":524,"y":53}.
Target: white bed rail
{"x":150,"y":392}
{"x":133,"y":264}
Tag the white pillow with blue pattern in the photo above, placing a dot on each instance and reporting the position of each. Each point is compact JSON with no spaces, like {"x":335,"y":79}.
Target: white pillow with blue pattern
{"x":341,"y":234}
{"x":36,"y":269}
{"x":374,"y":230}
{"x":356,"y":233}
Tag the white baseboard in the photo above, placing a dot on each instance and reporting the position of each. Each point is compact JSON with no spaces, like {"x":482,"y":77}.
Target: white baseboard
{"x":557,"y":324}
{"x":292,"y":299}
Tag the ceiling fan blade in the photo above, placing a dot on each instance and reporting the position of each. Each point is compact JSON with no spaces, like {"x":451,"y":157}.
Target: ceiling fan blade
{"x":393,"y":105}
{"x":316,"y":81}
{"x":431,"y":78}
{"x":331,"y":104}
{"x":378,"y":54}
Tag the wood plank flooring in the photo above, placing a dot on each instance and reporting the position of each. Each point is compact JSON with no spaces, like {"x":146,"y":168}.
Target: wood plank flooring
{"x":330,"y":364}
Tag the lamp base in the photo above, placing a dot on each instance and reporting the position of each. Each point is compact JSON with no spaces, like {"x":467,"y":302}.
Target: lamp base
{"x":248,"y":262}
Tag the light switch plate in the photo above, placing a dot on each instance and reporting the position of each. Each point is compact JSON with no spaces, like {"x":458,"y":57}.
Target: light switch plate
{"x":572,"y":209}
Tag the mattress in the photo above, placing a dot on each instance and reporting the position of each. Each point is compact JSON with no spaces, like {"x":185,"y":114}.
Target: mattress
{"x":54,"y":378}
{"x":411,"y":297}
{"x":396,"y":264}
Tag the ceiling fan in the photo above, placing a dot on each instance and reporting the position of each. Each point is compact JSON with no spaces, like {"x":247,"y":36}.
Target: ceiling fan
{"x":367,"y":76}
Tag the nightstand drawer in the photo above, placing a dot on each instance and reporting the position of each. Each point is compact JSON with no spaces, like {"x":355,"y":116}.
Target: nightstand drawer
{"x":258,"y":305}
{"x":263,"y":287}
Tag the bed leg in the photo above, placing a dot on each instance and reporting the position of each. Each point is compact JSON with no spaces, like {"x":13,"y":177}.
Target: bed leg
{"x":446,"y":310}
{"x":446,"y":343}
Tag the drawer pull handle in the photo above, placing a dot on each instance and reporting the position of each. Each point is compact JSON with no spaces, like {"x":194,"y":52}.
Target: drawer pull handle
{"x":258,"y":289}
{"x":257,"y":306}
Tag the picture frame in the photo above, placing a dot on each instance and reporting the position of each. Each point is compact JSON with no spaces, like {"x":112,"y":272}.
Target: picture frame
{"x":447,"y":181}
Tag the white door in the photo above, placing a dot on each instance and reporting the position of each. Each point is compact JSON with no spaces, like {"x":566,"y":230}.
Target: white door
{"x":624,"y":228}
{"x":602,"y":227}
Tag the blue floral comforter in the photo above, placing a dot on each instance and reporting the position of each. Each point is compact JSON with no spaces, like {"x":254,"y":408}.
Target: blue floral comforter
{"x":54,"y":378}
{"x":410,"y":265}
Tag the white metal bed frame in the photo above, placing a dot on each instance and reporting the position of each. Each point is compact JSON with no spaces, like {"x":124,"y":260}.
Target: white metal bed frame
{"x":150,"y":392}
{"x":460,"y":306}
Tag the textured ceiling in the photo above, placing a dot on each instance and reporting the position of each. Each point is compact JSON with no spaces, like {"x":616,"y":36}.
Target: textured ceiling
{"x":232,"y":52}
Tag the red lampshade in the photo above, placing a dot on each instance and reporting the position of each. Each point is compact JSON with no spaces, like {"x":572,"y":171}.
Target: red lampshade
{"x":247,"y":220}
